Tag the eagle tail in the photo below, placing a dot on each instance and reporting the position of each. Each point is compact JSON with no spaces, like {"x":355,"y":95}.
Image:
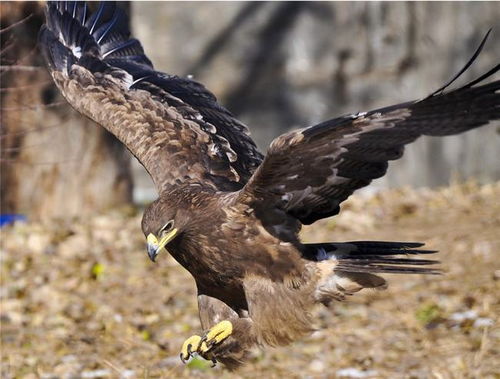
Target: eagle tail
{"x":375,"y":257}
{"x":355,"y":265}
{"x":74,"y":34}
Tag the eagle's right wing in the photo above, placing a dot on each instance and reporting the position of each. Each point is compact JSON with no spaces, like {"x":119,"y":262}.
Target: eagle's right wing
{"x":174,"y":126}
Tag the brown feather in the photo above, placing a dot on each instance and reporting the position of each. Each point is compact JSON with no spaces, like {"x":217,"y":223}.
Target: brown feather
{"x":309,"y":172}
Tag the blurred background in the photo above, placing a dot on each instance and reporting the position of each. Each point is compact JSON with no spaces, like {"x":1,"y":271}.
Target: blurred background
{"x":275,"y":65}
{"x":80,"y":299}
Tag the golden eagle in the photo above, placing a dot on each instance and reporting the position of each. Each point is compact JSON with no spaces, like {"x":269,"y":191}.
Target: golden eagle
{"x":225,"y":212}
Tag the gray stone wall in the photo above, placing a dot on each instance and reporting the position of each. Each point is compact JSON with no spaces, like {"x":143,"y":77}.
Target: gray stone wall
{"x":280,"y":66}
{"x":54,"y":163}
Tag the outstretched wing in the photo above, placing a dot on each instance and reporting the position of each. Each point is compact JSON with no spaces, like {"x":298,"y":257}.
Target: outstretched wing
{"x":174,"y":126}
{"x":309,"y":172}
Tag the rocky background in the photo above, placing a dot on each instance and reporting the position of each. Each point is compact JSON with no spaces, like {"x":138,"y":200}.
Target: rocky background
{"x":54,"y":163}
{"x":280,"y":66}
{"x":276,"y":65}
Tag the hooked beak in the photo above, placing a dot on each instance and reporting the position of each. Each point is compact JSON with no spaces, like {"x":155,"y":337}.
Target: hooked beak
{"x":154,"y":246}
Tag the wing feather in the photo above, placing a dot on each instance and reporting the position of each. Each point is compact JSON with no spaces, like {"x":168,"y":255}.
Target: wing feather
{"x":309,"y":172}
{"x":174,"y":126}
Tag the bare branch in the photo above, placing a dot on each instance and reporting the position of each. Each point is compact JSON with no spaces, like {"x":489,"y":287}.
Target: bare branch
{"x":32,"y":130}
{"x":20,"y":68}
{"x":14,"y":149}
{"x":8,"y":45}
{"x":18,"y":162}
{"x":29,"y":86}
{"x":33,"y":107}
{"x":16,"y":24}
{"x":19,"y":60}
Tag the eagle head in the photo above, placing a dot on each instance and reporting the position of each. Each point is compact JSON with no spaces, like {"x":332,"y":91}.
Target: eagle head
{"x":160,"y":224}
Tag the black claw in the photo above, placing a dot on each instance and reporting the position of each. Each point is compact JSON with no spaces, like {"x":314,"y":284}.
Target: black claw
{"x":190,"y":354}
{"x":214,"y":362}
{"x":203,"y":339}
{"x":210,"y":343}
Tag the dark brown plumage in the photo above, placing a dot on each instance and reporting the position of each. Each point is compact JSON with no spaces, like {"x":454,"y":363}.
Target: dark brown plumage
{"x":225,"y":213}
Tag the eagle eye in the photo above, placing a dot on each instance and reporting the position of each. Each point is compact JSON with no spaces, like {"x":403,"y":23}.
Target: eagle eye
{"x":166,"y":228}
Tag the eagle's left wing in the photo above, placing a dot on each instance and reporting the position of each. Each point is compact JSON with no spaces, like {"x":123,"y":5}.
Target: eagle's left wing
{"x":174,"y":126}
{"x":309,"y":172}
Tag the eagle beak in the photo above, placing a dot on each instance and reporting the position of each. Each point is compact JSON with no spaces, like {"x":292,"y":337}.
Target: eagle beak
{"x":154,"y":246}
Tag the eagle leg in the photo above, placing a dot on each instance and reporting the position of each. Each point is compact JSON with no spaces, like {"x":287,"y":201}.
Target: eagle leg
{"x":203,"y":345}
{"x":228,"y":334}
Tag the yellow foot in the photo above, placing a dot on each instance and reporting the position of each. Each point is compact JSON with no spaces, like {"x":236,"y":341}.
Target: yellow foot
{"x":216,"y":335}
{"x":202,"y":345}
{"x":189,"y":346}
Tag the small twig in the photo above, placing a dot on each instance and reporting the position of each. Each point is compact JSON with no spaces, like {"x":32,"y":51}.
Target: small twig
{"x":32,"y":130}
{"x":15,"y":161}
{"x":8,"y":45}
{"x":16,"y":23}
{"x":17,"y":62}
{"x":478,"y":357}
{"x":18,"y":148}
{"x":20,"y":68}
{"x":20,"y":88}
{"x":33,"y":107}
{"x":112,"y":365}
{"x":33,"y":51}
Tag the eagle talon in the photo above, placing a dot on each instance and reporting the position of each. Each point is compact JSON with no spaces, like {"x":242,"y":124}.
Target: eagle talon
{"x":205,"y":344}
{"x":187,"y":347}
{"x":216,"y":335}
{"x":202,"y":345}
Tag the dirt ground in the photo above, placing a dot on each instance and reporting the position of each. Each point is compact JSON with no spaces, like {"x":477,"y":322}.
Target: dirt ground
{"x":82,"y":300}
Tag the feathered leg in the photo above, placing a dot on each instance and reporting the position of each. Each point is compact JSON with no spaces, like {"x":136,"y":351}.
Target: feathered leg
{"x":227,"y":336}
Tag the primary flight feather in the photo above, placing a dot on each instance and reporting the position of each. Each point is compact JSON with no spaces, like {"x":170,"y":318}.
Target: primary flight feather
{"x":225,"y":212}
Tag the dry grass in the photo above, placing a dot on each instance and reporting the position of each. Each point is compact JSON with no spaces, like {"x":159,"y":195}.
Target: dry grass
{"x":83,"y":300}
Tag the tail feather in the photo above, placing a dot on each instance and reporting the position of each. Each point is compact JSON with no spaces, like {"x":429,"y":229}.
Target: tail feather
{"x":385,"y":269}
{"x":352,"y":266}
{"x":373,"y":256}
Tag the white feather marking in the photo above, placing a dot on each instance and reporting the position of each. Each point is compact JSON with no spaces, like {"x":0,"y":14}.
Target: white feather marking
{"x":77,"y":51}
{"x":231,"y":155}
{"x":286,"y":197}
{"x":139,"y":80}
{"x":322,"y":255}
{"x":128,"y":80}
{"x":214,"y":149}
